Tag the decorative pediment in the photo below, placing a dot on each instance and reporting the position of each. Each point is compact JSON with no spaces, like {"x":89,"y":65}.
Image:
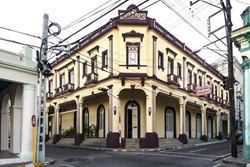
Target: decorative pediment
{"x":133,"y":13}
{"x":132,"y":33}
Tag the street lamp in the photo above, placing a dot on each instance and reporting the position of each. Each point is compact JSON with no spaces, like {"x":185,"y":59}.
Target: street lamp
{"x":227,"y":16}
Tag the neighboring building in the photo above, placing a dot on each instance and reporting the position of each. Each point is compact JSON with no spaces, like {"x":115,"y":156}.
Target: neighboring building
{"x":18,"y":83}
{"x":221,"y":65}
{"x":134,"y":77}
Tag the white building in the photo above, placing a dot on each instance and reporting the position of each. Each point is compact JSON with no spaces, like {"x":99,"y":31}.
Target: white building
{"x":18,"y":84}
{"x":221,"y":65}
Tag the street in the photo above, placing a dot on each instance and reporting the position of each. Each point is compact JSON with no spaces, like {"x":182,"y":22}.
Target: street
{"x":205,"y":156}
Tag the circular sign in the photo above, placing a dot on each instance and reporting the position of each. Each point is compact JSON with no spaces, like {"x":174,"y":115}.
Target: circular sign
{"x":33,"y":120}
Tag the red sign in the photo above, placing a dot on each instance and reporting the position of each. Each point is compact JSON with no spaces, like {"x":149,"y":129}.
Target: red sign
{"x":33,"y":120}
{"x":203,"y":90}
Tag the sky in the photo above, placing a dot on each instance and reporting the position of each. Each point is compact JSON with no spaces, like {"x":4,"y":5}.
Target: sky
{"x":187,"y":23}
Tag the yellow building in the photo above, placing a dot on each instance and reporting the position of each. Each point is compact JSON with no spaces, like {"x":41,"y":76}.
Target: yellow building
{"x":133,"y":77}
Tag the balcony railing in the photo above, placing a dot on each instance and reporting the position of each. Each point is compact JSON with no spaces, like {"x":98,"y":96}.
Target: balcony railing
{"x":191,"y":88}
{"x":58,"y":91}
{"x":49,"y":95}
{"x":68,"y":87}
{"x":92,"y":78}
{"x":173,"y":80}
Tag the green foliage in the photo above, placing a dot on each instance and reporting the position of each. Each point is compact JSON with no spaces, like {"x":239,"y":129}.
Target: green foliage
{"x":69,"y":132}
{"x":93,"y":130}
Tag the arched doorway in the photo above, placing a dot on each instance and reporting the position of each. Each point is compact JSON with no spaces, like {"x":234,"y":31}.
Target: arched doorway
{"x":85,"y":124}
{"x":169,"y":123}
{"x":101,"y":121}
{"x":188,"y":124}
{"x":198,"y":126}
{"x":132,"y":120}
{"x":209,"y":127}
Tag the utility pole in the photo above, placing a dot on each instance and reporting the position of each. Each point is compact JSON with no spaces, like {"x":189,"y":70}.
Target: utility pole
{"x":231,"y":80}
{"x":43,"y":71}
{"x":227,"y":16}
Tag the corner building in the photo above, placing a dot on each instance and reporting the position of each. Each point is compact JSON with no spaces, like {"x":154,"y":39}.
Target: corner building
{"x":133,"y":77}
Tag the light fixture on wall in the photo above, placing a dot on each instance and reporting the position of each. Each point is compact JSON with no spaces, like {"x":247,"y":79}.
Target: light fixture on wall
{"x":149,"y":111}
{"x":115,"y":110}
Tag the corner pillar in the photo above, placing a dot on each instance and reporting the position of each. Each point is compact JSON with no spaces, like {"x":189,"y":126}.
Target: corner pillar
{"x":183,"y":102}
{"x":27,"y":129}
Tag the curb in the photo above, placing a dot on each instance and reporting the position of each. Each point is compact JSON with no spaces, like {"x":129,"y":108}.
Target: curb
{"x":208,"y":143}
{"x":48,"y":161}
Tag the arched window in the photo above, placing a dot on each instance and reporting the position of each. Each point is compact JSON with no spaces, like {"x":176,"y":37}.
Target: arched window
{"x":101,"y":121}
{"x":169,"y":123}
{"x":85,"y":121}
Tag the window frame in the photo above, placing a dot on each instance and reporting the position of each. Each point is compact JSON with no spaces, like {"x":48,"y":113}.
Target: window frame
{"x":132,"y":45}
{"x":62,"y":80}
{"x":160,"y":60}
{"x":105,"y":59}
{"x":71,"y":80}
{"x":179,"y":69}
{"x":170,"y":65}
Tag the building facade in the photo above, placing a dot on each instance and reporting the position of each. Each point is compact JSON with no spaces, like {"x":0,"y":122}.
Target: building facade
{"x":18,"y":83}
{"x":133,"y":78}
{"x":221,"y":65}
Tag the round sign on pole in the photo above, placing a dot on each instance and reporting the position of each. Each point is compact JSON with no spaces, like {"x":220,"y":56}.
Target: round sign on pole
{"x":33,"y":120}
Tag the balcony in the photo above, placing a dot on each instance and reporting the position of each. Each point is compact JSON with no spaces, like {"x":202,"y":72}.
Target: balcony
{"x":92,"y":79}
{"x":219,"y":99}
{"x":191,"y":88}
{"x":49,"y":95}
{"x":225,"y":103}
{"x":68,"y":87}
{"x":173,"y":80}
{"x":58,"y":91}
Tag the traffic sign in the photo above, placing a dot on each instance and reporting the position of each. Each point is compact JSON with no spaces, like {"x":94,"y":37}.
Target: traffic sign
{"x":33,"y":120}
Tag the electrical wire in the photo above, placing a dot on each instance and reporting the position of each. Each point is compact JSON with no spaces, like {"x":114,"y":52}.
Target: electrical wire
{"x":195,"y":28}
{"x":84,"y":17}
{"x":20,"y":43}
{"x":92,"y":22}
{"x":242,"y":2}
{"x":4,"y":28}
{"x":98,"y":67}
{"x":86,"y":36}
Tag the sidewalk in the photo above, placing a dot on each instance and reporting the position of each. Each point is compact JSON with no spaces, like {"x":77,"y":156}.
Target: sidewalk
{"x":237,"y":161}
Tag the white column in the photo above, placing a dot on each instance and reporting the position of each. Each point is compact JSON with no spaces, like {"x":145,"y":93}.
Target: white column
{"x":4,"y":128}
{"x":16,"y":116}
{"x":203,"y":120}
{"x":81,"y":118}
{"x":27,"y":129}
{"x":218,"y":123}
{"x":183,"y":102}
{"x":110,"y":110}
{"x":57,"y":120}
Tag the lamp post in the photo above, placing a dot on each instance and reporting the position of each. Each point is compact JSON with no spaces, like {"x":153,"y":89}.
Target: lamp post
{"x":227,"y":16}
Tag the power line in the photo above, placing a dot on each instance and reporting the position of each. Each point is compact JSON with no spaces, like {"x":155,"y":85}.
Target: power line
{"x":242,"y":2}
{"x":20,"y":43}
{"x":77,"y":41}
{"x":92,"y":22}
{"x":195,"y":28}
{"x":20,"y":32}
{"x":84,"y":17}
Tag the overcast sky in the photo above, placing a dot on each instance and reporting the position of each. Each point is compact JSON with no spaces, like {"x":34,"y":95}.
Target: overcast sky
{"x":27,"y":16}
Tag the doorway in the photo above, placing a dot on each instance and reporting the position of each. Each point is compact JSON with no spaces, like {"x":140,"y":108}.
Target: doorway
{"x":198,"y":126}
{"x":132,"y":121}
{"x":169,"y":123}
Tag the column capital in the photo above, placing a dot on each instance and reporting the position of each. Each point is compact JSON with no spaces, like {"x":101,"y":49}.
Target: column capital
{"x":154,"y":87}
{"x":246,"y":63}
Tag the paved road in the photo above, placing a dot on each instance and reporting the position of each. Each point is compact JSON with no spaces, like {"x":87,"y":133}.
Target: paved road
{"x":200,"y":156}
{"x":205,"y":156}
